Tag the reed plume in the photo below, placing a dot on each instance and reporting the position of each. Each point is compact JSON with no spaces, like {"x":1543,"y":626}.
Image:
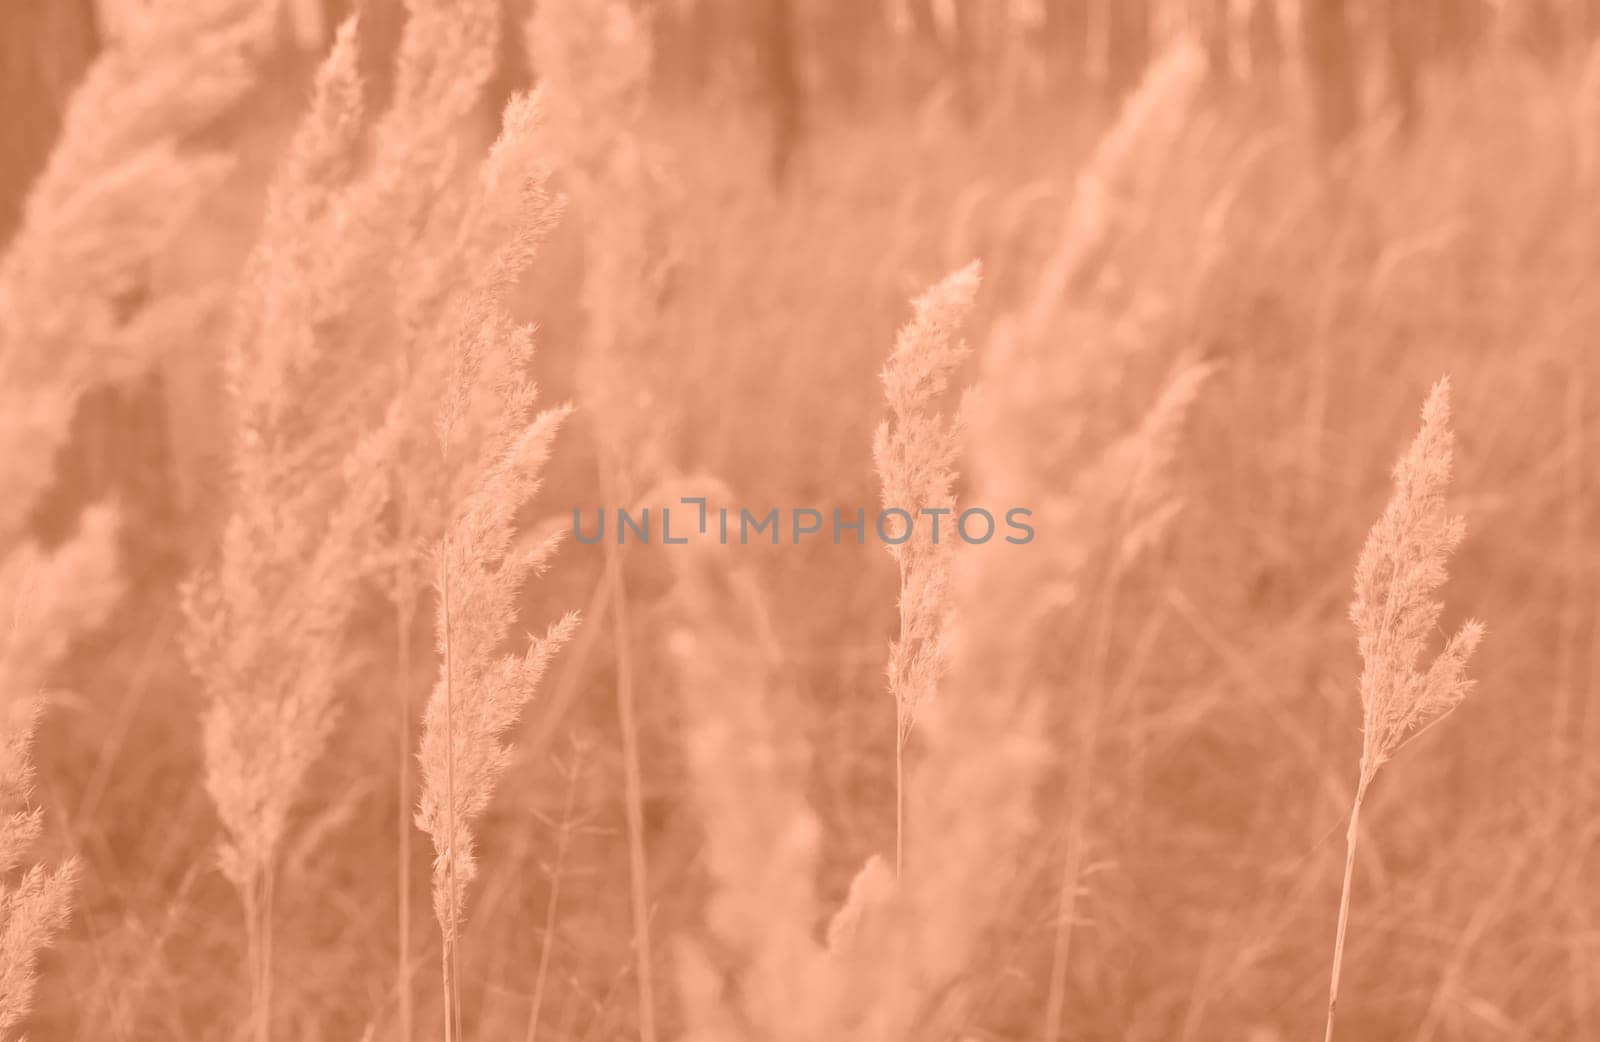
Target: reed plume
{"x":45,"y":600}
{"x":1397,"y":579}
{"x":75,"y":310}
{"x":867,"y":980}
{"x":480,"y":693}
{"x":429,"y":214}
{"x":357,"y":252}
{"x":494,"y":446}
{"x":34,"y":908}
{"x":915,"y":451}
{"x":265,"y":624}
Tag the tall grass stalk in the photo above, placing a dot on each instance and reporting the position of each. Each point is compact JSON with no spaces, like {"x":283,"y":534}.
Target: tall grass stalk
{"x":592,"y":61}
{"x":1130,"y":490}
{"x":1401,"y":569}
{"x":493,"y":448}
{"x":265,"y":625}
{"x":450,"y":953}
{"x":404,"y":618}
{"x":915,"y":450}
{"x":547,"y":942}
{"x":480,"y":693}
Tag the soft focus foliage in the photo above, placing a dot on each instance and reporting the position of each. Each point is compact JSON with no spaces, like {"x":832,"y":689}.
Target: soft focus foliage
{"x":77,"y":305}
{"x":308,"y":732}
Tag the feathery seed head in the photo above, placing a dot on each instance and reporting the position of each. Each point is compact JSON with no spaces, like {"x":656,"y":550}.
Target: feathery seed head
{"x":916,"y":450}
{"x":1401,"y":569}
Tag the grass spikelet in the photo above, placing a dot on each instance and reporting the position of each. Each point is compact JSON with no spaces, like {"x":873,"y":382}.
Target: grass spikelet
{"x":265,"y":625}
{"x":436,"y":221}
{"x":267,"y":628}
{"x":44,"y":602}
{"x":1395,"y":612}
{"x":465,"y":247}
{"x":915,"y":451}
{"x":34,"y":908}
{"x":32,"y":913}
{"x":478,"y":575}
{"x":1401,"y":569}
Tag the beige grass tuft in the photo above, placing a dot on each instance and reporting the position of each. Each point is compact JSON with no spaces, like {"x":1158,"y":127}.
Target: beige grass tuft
{"x":494,"y":447}
{"x":916,"y":451}
{"x":35,"y":908}
{"x":44,"y":601}
{"x":1395,"y":613}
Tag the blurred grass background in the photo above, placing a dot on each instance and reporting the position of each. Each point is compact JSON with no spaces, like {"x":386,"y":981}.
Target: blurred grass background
{"x":1371,"y":195}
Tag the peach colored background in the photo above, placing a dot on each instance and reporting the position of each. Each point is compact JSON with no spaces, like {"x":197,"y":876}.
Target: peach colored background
{"x":1095,"y":787}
